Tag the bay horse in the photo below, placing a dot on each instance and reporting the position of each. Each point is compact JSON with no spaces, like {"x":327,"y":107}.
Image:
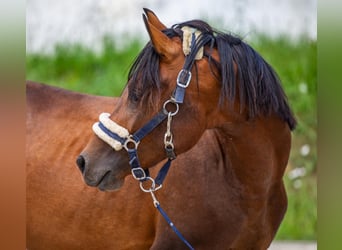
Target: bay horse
{"x":229,"y":126}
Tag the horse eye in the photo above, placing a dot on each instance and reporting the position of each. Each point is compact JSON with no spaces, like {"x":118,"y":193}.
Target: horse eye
{"x":133,"y":97}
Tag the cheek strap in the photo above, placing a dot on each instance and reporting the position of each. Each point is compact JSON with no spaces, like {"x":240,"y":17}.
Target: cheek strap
{"x":113,"y":127}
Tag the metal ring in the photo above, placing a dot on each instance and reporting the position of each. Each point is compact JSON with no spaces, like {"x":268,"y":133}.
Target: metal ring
{"x":128,"y":141}
{"x":153,"y":185}
{"x":169,"y":112}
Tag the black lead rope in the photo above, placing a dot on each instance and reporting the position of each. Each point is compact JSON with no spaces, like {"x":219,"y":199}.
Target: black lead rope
{"x":162,"y":212}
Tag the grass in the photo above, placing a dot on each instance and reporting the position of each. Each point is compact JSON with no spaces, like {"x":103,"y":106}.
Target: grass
{"x":76,"y":68}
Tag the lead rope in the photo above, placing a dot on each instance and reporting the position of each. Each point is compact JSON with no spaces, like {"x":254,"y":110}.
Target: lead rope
{"x":169,"y":149}
{"x":168,"y":220}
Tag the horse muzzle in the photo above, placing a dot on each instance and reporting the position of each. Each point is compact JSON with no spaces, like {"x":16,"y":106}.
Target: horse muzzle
{"x":107,"y":173}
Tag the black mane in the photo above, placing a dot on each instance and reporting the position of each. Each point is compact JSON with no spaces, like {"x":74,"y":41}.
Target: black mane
{"x":259,"y":86}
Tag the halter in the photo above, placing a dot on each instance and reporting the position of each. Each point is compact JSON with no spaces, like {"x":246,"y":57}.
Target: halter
{"x":118,"y":137}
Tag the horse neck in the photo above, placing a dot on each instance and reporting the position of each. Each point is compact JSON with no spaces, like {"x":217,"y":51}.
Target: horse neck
{"x":54,"y":111}
{"x":257,"y":150}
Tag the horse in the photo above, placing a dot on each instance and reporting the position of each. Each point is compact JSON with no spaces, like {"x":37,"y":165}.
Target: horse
{"x":228,"y":139}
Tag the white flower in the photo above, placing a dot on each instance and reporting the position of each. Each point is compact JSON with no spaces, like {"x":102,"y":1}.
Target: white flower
{"x":305,"y":150}
{"x":303,"y":88}
{"x":296,"y":173}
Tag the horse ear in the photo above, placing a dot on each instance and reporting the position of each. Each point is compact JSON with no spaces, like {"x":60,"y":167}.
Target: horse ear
{"x":154,"y":19}
{"x":162,"y":43}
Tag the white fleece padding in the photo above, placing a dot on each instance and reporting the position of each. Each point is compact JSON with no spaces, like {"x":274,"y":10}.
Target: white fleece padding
{"x":187,"y":39}
{"x":112,"y":126}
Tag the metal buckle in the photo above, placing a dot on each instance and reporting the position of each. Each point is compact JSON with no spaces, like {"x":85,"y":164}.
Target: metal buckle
{"x":184,"y":74}
{"x":138,"y":174}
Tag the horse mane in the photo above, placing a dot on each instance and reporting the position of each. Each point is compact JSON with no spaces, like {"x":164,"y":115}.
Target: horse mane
{"x":259,"y":87}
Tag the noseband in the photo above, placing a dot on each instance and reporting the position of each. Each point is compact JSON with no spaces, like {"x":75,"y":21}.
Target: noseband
{"x":118,"y":137}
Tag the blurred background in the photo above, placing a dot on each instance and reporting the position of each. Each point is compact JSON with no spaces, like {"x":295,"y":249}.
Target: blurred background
{"x":88,"y":46}
{"x":87,"y":21}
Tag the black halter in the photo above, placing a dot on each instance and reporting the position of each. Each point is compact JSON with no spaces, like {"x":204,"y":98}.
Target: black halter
{"x":131,"y":142}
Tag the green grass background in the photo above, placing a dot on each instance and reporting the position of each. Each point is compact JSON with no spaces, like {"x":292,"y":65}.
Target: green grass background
{"x":77,"y":68}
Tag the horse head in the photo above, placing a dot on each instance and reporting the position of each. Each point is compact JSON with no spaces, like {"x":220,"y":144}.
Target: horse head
{"x":185,"y":80}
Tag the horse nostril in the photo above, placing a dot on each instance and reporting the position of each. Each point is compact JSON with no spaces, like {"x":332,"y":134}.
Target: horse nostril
{"x":80,"y":163}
